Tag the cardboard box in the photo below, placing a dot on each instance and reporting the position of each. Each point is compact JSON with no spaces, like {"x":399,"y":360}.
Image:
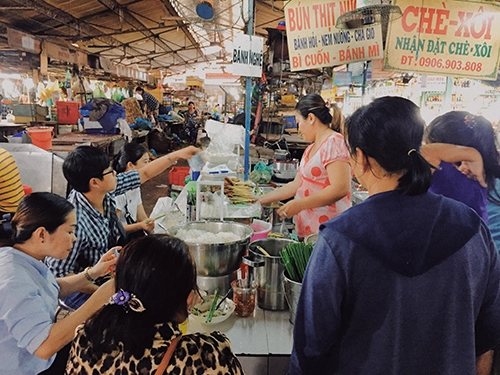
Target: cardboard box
{"x":28,"y":119}
{"x":30,"y":110}
{"x":95,"y":127}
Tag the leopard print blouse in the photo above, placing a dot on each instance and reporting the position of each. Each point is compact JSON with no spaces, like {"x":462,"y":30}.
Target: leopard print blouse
{"x":196,"y":354}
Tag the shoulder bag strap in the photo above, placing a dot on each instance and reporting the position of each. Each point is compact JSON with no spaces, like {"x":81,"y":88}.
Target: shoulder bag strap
{"x":166,"y":358}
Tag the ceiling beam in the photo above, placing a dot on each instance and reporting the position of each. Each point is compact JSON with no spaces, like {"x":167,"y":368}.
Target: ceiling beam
{"x":50,"y":11}
{"x":184,"y":27}
{"x":128,"y":17}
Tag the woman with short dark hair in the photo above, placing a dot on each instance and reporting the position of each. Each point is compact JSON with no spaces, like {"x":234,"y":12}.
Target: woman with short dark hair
{"x":473,"y":140}
{"x":29,"y":339}
{"x":129,"y":207}
{"x":155,"y":283}
{"x":192,"y":123}
{"x":407,"y":282}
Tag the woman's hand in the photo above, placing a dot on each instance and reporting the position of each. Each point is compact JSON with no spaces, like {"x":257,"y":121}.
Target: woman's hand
{"x":289,"y":209}
{"x":185,"y":153}
{"x":148,"y":224}
{"x":106,"y":263}
{"x":474,"y":170}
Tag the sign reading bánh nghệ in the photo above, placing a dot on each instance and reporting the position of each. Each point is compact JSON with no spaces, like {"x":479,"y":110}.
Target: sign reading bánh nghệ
{"x":247,"y":55}
{"x":456,"y":38}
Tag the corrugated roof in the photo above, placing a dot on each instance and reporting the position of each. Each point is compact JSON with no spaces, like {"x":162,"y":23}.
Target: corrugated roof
{"x":148,"y":34}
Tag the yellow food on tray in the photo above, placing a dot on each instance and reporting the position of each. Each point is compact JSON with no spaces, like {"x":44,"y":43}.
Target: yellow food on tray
{"x":238,"y":192}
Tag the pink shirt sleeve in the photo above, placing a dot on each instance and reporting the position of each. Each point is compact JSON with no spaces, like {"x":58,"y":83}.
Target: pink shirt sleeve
{"x":334,"y":149}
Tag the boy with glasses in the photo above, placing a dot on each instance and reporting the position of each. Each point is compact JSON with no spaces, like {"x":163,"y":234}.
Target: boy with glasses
{"x":94,"y":185}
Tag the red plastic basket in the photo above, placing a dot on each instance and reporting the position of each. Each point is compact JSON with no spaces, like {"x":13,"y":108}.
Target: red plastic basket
{"x":177,"y":175}
{"x":67,"y":112}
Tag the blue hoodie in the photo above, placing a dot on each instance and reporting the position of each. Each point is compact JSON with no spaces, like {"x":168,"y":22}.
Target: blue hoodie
{"x":399,"y":285}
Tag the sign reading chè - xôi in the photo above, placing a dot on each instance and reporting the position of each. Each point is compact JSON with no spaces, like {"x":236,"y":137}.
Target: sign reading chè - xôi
{"x":315,"y":42}
{"x":455,"y":38}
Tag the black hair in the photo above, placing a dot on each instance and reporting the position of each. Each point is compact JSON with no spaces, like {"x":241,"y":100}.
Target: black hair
{"x":39,"y":210}
{"x":465,"y":129}
{"x":131,"y":152}
{"x":191,"y":102}
{"x":314,"y":103}
{"x":160,"y":272}
{"x":139,"y":88}
{"x":83,"y":164}
{"x":390,"y":130}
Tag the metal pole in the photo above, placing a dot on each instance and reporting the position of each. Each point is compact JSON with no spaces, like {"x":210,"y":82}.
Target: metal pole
{"x":248,"y":99}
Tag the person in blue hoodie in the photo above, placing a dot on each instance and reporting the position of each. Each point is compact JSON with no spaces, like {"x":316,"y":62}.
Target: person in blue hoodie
{"x":407,"y":282}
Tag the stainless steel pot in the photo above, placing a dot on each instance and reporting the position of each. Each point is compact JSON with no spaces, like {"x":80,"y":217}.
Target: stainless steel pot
{"x":281,"y":154}
{"x":312,"y":238}
{"x":268,"y":272}
{"x":269,"y":213}
{"x":285,"y":170}
{"x":217,"y":259}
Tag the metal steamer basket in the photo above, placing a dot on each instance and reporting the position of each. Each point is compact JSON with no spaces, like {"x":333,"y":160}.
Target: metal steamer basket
{"x":216,"y":263}
{"x":268,"y":272}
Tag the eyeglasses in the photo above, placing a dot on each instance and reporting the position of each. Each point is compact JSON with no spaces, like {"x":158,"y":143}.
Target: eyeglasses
{"x":109,"y":172}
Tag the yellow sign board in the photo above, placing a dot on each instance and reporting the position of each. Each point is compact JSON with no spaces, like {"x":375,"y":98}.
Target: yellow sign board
{"x":456,"y":38}
{"x":315,"y":42}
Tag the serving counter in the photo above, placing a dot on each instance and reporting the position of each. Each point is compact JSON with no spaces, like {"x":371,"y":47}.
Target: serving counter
{"x":262,"y":342}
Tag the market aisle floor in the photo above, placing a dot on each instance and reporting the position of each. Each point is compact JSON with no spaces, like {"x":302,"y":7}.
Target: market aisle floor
{"x":153,"y":189}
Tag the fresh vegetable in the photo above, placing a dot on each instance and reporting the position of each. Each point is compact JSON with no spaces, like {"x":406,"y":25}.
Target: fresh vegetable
{"x":212,"y":307}
{"x":202,"y":309}
{"x":295,"y":258}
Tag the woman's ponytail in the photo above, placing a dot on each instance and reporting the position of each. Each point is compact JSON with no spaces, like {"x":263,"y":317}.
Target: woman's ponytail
{"x":418,"y":176}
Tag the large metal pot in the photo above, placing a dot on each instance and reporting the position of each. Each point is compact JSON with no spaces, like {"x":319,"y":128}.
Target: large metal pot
{"x":285,"y":169}
{"x":217,"y":259}
{"x":268,"y":272}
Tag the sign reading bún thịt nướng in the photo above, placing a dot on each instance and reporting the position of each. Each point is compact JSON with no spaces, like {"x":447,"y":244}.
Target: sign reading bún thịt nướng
{"x":315,"y":42}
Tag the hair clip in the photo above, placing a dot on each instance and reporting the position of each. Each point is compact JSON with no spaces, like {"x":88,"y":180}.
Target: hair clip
{"x":319,"y":107}
{"x":470,"y":121}
{"x":127,"y":300}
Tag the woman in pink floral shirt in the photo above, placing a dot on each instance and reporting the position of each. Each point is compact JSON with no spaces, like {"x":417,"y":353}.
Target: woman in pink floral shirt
{"x":321,"y":189}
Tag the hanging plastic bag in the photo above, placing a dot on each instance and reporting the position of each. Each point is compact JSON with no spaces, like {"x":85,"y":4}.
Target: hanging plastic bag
{"x":76,"y":86}
{"x":99,"y":92}
{"x":86,"y":85}
{"x":117,"y":95}
{"x":261,"y":173}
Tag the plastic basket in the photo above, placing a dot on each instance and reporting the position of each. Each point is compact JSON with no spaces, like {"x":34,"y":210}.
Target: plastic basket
{"x":177,"y":175}
{"x":67,"y":112}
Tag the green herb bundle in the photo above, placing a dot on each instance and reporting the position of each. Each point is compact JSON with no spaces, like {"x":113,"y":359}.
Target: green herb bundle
{"x":295,"y":257}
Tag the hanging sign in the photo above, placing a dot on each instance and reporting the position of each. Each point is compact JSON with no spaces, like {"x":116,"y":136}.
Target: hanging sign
{"x":82,"y":58}
{"x":315,"y":42}
{"x":456,"y":38}
{"x":247,"y":55}
{"x":342,"y":78}
{"x":57,"y":52}
{"x":22,"y":41}
{"x":107,"y":65}
{"x":433,"y":83}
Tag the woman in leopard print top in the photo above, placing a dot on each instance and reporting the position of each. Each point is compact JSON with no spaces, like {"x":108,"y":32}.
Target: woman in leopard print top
{"x":158,"y":274}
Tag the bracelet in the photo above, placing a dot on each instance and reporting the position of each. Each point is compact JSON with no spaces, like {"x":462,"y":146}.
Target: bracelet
{"x":173,"y":162}
{"x":86,"y":274}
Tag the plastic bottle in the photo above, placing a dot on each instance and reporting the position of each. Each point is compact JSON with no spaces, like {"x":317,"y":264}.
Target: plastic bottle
{"x":191,"y":201}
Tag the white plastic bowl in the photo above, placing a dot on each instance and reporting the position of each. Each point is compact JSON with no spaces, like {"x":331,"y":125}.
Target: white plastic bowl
{"x":65,"y":129}
{"x":226,"y":309}
{"x":261,"y":229}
